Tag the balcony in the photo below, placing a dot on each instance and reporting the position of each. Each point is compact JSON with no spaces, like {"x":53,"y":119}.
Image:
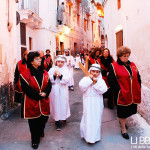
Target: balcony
{"x":66,"y":20}
{"x":29,"y":10}
{"x":32,"y":5}
{"x":66,"y":23}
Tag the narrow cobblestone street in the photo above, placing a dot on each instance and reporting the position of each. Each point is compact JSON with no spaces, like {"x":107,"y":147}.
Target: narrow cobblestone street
{"x":15,"y":135}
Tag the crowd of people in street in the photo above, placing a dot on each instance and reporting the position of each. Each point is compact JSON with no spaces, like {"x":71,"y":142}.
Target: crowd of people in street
{"x":42,"y":87}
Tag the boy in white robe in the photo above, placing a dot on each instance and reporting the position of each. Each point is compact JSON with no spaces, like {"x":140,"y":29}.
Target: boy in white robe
{"x":78,"y":59}
{"x":59,"y":96}
{"x":70,"y":65}
{"x":92,"y":87}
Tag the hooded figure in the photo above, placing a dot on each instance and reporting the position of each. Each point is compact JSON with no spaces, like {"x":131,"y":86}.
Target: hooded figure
{"x":70,"y":65}
{"x":59,"y":96}
{"x":92,"y":87}
{"x":78,"y":59}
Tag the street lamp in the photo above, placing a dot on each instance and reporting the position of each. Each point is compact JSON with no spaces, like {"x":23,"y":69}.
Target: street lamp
{"x":100,"y":9}
{"x":100,"y":13}
{"x":66,"y":30}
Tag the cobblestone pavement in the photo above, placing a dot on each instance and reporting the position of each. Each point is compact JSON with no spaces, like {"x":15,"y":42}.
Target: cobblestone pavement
{"x":14,"y":132}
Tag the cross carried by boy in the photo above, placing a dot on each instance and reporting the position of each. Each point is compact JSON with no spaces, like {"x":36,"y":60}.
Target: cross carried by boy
{"x":85,"y":69}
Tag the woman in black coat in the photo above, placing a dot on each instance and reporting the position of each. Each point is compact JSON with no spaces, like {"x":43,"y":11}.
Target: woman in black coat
{"x":36,"y":85}
{"x":125,"y":81}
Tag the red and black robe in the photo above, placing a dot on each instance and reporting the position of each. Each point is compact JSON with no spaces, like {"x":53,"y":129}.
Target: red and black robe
{"x":20,"y":68}
{"x":32,"y":83}
{"x":47,"y":62}
{"x":126,"y":83}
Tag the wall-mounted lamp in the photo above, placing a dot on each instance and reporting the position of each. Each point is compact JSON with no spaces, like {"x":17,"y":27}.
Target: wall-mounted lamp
{"x":9,"y":26}
{"x":66,"y":30}
{"x":100,"y":13}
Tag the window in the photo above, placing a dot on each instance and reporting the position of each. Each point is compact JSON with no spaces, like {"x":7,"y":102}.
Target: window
{"x":99,"y":28}
{"x":92,"y":31}
{"x":78,"y":8}
{"x":69,"y":10}
{"x":75,"y":49}
{"x":23,"y":33}
{"x":22,"y":4}
{"x":102,"y":40}
{"x":85,"y":25}
{"x":62,"y":47}
{"x":57,"y":3}
{"x":87,"y":22}
{"x":78,"y":20}
{"x":119,"y":39}
{"x":30,"y":43}
{"x":119,"y":4}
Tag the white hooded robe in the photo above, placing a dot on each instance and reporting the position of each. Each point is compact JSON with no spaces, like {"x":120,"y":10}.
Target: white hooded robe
{"x":77,"y":62}
{"x":59,"y":96}
{"x":90,"y":126}
{"x":70,"y":68}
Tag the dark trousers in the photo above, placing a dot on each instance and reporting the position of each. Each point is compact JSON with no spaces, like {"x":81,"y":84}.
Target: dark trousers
{"x":110,"y":96}
{"x":37,"y":126}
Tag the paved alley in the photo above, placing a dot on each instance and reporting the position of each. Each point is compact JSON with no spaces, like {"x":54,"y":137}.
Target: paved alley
{"x":15,"y":135}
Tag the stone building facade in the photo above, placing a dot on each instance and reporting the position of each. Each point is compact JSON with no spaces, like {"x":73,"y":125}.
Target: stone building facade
{"x":81,"y":26}
{"x":32,"y":25}
{"x":8,"y":47}
{"x":127,"y":23}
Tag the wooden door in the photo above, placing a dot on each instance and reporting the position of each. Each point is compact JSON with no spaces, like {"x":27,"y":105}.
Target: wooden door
{"x":62,"y":47}
{"x":75,"y":49}
{"x":119,"y":39}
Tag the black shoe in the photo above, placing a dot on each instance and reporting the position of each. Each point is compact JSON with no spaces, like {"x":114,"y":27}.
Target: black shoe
{"x":35,"y":145}
{"x":58,"y":125}
{"x":125,"y":135}
{"x":58,"y":128}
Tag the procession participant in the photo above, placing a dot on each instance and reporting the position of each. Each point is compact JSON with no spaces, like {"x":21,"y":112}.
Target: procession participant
{"x":77,"y":60}
{"x":86,"y":53}
{"x":94,"y":56}
{"x":59,"y":53}
{"x":60,"y":13}
{"x":41,"y":52}
{"x":105,"y":61}
{"x":20,"y":68}
{"x":125,"y":81}
{"x":92,"y":86}
{"x":36,"y":85}
{"x":48,"y":60}
{"x":59,"y":96}
{"x":46,"y":63}
{"x":70,"y":65}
